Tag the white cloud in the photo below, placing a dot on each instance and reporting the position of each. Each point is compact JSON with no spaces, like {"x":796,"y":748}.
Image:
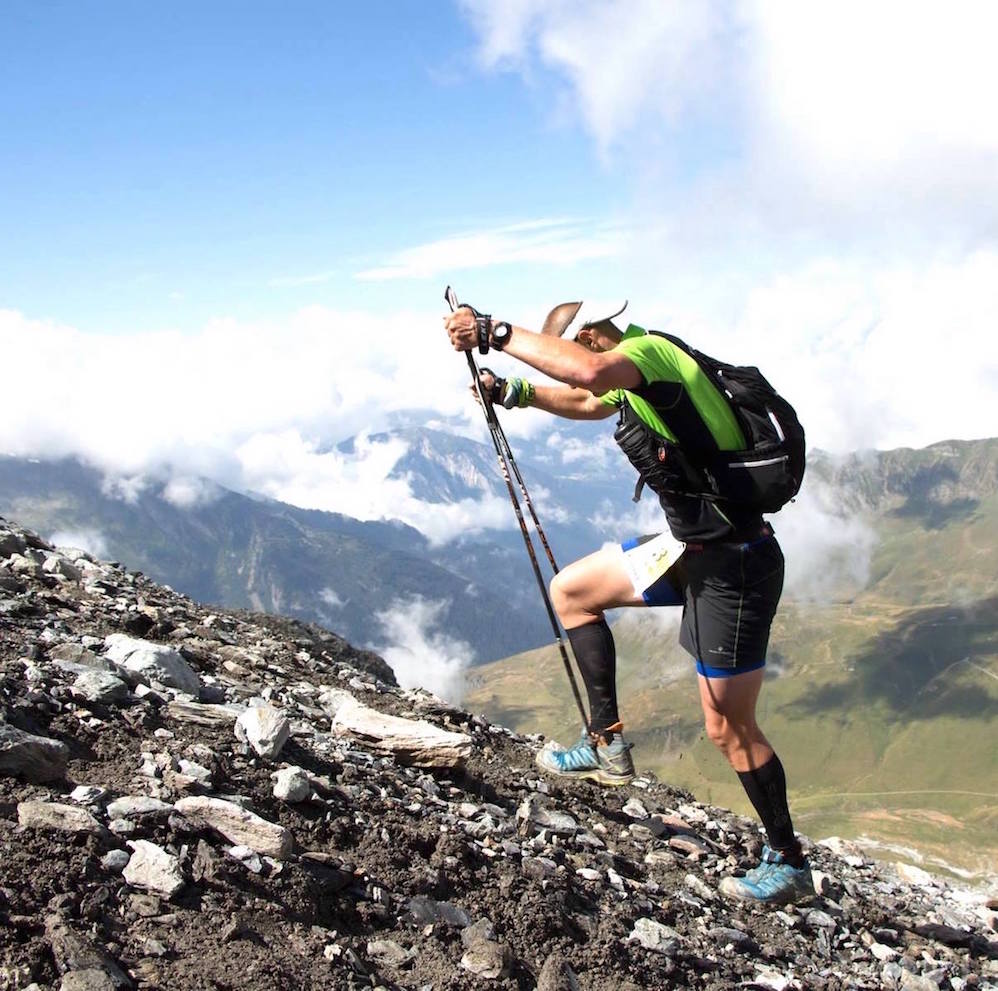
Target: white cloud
{"x":624,"y":61}
{"x":420,"y":654}
{"x":550,"y":242}
{"x":330,"y":597}
{"x":85,"y":539}
{"x":827,"y":543}
{"x":257,"y":406}
{"x":186,"y":492}
{"x":769,"y":115}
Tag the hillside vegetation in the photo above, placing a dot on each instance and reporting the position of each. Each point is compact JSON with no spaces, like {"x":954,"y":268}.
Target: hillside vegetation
{"x":882,"y":704}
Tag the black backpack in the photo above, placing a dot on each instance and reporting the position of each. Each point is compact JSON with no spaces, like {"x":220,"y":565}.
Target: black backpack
{"x":767,"y":474}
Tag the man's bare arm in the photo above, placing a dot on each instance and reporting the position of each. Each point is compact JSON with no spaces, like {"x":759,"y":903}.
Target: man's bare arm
{"x":571,"y":403}
{"x":565,"y":361}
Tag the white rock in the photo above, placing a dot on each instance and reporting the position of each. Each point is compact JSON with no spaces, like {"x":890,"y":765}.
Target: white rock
{"x":87,"y":794}
{"x":410,"y":741}
{"x":487,"y":959}
{"x":152,"y":868}
{"x":654,"y":936}
{"x":99,"y":686}
{"x":56,"y":564}
{"x":265,"y":728}
{"x":144,"y":662}
{"x":204,"y":714}
{"x":847,"y":850}
{"x":291,"y":784}
{"x":913,"y":875}
{"x":635,"y":809}
{"x":239,"y":826}
{"x":138,"y":806}
{"x":58,"y":817}
{"x":883,"y":953}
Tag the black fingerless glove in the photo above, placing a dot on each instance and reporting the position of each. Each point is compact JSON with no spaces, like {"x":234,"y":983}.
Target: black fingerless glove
{"x":498,"y":386}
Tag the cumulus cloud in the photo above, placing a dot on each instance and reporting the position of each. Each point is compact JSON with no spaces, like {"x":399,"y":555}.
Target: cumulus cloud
{"x":847,"y":89}
{"x":251,"y":406}
{"x":420,"y":653}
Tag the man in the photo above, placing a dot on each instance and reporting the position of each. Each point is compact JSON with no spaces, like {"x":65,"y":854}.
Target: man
{"x":728,"y":577}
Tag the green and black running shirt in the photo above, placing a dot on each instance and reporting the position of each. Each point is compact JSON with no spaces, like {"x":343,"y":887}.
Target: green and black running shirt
{"x":679,"y":403}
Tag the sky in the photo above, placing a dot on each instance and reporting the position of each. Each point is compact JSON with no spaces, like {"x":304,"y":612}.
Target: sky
{"x":225,"y":228}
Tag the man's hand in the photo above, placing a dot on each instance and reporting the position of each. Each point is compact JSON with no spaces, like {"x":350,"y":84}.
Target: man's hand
{"x":462,"y":329}
{"x":493,"y":386}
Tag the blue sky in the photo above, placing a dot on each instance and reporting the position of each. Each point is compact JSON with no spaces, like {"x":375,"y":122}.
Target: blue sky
{"x":235,"y":222}
{"x":164,"y":164}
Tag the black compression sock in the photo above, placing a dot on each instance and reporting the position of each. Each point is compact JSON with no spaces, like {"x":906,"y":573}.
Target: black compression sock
{"x":766,"y":788}
{"x":597,"y":659}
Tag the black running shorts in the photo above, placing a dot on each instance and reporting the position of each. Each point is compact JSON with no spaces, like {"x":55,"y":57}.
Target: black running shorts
{"x":729,"y":594}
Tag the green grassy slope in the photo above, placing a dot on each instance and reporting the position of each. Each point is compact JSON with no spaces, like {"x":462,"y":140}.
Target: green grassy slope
{"x":883,"y":708}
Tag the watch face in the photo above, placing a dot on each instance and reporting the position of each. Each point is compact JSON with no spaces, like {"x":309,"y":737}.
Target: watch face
{"x":501,"y":332}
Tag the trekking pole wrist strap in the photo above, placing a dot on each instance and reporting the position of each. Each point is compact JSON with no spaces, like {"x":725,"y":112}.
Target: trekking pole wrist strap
{"x":483,"y":325}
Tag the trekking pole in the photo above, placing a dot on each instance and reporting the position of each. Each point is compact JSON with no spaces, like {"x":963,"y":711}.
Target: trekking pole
{"x":502,"y":448}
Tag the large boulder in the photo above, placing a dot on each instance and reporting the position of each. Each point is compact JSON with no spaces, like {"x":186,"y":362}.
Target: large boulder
{"x":34,"y":758}
{"x":143,"y":662}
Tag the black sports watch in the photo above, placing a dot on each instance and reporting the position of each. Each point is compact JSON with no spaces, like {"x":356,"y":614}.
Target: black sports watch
{"x":500,"y":335}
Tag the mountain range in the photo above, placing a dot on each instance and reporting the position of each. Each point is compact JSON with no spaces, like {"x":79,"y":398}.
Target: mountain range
{"x":884,"y":657}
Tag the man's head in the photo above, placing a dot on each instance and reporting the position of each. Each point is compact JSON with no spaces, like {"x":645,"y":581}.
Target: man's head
{"x":603,"y":335}
{"x":600,"y":334}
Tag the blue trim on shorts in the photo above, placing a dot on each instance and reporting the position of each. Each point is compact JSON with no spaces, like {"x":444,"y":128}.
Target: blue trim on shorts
{"x":629,"y":545}
{"x":711,"y":672}
{"x":661,"y":593}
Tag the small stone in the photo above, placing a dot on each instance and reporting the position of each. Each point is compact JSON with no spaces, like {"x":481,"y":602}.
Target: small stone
{"x":883,"y":953}
{"x":88,"y":794}
{"x":389,"y":953}
{"x":914,"y":875}
{"x":152,"y":868}
{"x":138,"y":807}
{"x":291,"y":784}
{"x":635,"y":809}
{"x":265,"y":728}
{"x":115,"y":861}
{"x":92,"y":979}
{"x":654,"y":936}
{"x":557,"y":975}
{"x":487,"y":959}
{"x":819,"y":920}
{"x":426,"y":911}
{"x":482,"y":929}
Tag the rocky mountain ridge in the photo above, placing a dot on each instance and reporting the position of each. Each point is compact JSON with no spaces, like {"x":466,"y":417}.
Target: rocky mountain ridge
{"x":202,"y":798}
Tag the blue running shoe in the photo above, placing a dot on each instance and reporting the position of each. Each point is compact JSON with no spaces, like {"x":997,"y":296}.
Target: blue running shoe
{"x":607,"y":764}
{"x":774,"y":882}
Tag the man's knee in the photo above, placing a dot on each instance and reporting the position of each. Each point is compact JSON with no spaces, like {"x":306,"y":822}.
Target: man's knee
{"x":717,"y":729}
{"x":560,"y":594}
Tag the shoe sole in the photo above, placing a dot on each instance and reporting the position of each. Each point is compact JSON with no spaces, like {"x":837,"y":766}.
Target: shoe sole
{"x":794,"y":898}
{"x":596,"y":774}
